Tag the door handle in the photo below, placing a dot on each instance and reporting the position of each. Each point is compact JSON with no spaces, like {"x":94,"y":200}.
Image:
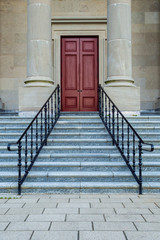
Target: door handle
{"x":79,"y":90}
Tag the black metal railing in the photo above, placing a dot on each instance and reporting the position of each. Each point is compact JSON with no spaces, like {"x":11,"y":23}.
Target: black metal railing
{"x":35,"y":136}
{"x":124,"y":136}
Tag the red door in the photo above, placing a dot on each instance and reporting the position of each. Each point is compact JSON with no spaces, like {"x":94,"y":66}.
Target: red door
{"x":79,"y":74}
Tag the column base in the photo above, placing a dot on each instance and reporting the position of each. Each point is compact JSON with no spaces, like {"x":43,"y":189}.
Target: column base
{"x":125,"y":98}
{"x":31,"y":99}
{"x":38,"y":81}
{"x":120,"y":82}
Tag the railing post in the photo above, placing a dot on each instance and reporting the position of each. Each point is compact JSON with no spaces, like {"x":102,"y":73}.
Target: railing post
{"x":19,"y":167}
{"x":55,"y":105}
{"x":140,"y":167}
{"x":113,"y":123}
{"x":58,"y":100}
{"x":45,"y":110}
{"x":99,"y":100}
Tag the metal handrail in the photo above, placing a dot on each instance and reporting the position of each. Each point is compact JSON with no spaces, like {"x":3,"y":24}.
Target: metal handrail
{"x":117,"y":125}
{"x":40,"y":128}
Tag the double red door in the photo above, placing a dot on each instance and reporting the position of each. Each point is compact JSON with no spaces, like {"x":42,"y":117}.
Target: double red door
{"x":79,"y":79}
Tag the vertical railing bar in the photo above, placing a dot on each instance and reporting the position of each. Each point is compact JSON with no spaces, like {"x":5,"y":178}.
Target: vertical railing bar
{"x":134,"y":152}
{"x":19,"y":167}
{"x":140,"y":167}
{"x":45,"y":118}
{"x":128,"y":145}
{"x":113,"y":124}
{"x":36,"y":135}
{"x":106,"y":110}
{"x":118,"y":128}
{"x":26,"y":151}
{"x":31,"y":143}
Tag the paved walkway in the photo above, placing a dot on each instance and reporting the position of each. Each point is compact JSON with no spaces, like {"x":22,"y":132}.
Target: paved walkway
{"x":80,"y":217}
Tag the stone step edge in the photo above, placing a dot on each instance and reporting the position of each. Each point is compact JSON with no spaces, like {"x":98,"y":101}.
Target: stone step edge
{"x":79,"y":164}
{"x":79,"y":174}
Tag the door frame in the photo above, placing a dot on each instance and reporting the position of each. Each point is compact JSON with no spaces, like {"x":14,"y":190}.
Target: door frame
{"x":79,"y":36}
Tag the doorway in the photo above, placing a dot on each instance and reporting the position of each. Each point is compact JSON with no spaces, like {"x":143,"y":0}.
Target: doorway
{"x":79,"y":73}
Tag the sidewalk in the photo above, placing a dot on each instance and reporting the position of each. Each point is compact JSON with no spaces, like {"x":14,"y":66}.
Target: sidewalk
{"x":80,"y":217}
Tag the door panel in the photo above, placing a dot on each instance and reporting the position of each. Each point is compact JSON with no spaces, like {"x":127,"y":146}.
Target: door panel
{"x":79,"y":74}
{"x":88,"y":74}
{"x":70,"y":74}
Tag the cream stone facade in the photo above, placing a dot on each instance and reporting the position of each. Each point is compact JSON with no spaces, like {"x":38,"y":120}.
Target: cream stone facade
{"x":129,"y":49}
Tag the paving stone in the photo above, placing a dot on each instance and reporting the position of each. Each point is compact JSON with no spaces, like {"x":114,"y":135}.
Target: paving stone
{"x":152,"y":218}
{"x":8,"y":205}
{"x":132,"y":211}
{"x":3,"y":200}
{"x":113,"y":226}
{"x":93,"y":196}
{"x":3,"y":225}
{"x":22,"y":211}
{"x":19,"y":235}
{"x":106,"y":205}
{"x":73,"y":205}
{"x":3,"y":210}
{"x":56,"y":235}
{"x":148,"y":226}
{"x":21,"y":200}
{"x":46,"y":218}
{"x":101,"y":235}
{"x":60,"y":211}
{"x":140,"y":205}
{"x":40,"y":205}
{"x":27,"y":226}
{"x":60,"y":196}
{"x":142,"y":235}
{"x":155,"y":210}
{"x":124,"y":218}
{"x":125,"y":195}
{"x":85,"y":218}
{"x":115,"y":200}
{"x":53,"y":200}
{"x":85,"y":200}
{"x":97,"y":211}
{"x":35,"y":196}
{"x":146,"y":200}
{"x":70,"y":226}
{"x":12,"y":218}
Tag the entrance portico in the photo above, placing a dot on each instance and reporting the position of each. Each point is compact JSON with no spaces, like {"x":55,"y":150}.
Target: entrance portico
{"x":119,"y":82}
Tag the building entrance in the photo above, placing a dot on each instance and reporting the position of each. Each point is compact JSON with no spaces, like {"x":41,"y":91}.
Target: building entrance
{"x":79,"y":73}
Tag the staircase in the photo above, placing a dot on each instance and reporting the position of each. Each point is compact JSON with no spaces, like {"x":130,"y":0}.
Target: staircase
{"x":79,"y":157}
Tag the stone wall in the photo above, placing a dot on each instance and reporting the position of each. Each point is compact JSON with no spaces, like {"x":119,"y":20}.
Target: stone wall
{"x":146,"y":50}
{"x":13,"y":22}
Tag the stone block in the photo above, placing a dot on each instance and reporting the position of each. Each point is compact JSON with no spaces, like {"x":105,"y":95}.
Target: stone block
{"x":71,"y":226}
{"x":148,"y":226}
{"x":28,"y":226}
{"x":124,"y":218}
{"x":60,"y":211}
{"x":46,"y":218}
{"x":132,"y":94}
{"x":15,"y":235}
{"x":96,"y":211}
{"x":3,"y":225}
{"x":113,"y":226}
{"x":142,"y":235}
{"x":101,"y":235}
{"x":56,"y":235}
{"x":84,"y":218}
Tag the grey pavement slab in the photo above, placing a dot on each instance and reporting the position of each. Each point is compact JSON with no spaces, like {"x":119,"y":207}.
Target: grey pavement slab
{"x":140,"y":205}
{"x":3,"y":200}
{"x":46,"y":218}
{"x":115,"y":200}
{"x":60,"y":196}
{"x":97,"y":211}
{"x":113,"y":226}
{"x":73,"y":205}
{"x":60,"y":211}
{"x":71,"y":226}
{"x":9,"y":205}
{"x":84,"y":218}
{"x":40,"y":205}
{"x":21,"y":200}
{"x":55,"y":235}
{"x":22,"y":211}
{"x":133,"y":211}
{"x":3,"y":210}
{"x":28,"y":226}
{"x":53,"y":200}
{"x":3,"y":225}
{"x":12,"y":218}
{"x":106,"y":205}
{"x":148,"y":226}
{"x":123,"y":196}
{"x":152,"y":218}
{"x":101,"y":235}
{"x":15,"y":235}
{"x":124,"y":218}
{"x":143,"y":235}
{"x":155,"y":210}
{"x":92,"y":196}
{"x":85,"y":200}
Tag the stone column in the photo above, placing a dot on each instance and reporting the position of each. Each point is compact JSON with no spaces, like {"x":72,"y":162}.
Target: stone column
{"x":39,"y":60}
{"x":119,"y":46}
